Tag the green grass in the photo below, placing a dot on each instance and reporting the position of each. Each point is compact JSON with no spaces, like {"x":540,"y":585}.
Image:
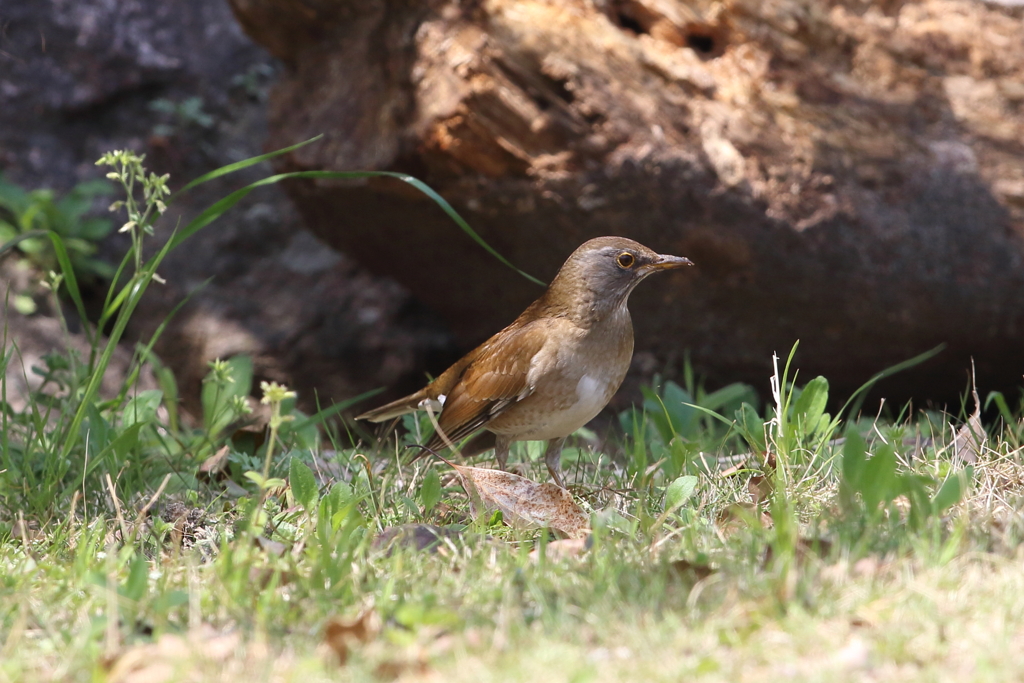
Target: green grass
{"x":730,"y":540}
{"x":702,"y":594}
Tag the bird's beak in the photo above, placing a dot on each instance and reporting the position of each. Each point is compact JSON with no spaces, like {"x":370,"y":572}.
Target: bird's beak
{"x":667,"y":262}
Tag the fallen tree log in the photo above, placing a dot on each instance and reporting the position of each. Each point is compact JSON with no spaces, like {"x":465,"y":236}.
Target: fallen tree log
{"x":848,"y":174}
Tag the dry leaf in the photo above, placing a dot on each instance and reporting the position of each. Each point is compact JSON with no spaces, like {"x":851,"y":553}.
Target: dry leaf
{"x":340,"y":635}
{"x":970,"y":439}
{"x":172,"y":656}
{"x":271,"y":547}
{"x":390,"y":669}
{"x":806,"y":548}
{"x":701,"y":570}
{"x":760,"y":488}
{"x":564,"y":549}
{"x":26,"y":530}
{"x":419,"y":536}
{"x":523,"y":503}
{"x":215,"y":463}
{"x":742,"y":516}
{"x":262,"y":577}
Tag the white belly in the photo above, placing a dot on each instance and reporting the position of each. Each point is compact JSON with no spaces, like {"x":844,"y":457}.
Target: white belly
{"x":592,"y":394}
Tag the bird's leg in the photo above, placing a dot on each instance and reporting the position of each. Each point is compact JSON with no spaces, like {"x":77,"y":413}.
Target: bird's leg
{"x":553,"y":459}
{"x":501,"y":446}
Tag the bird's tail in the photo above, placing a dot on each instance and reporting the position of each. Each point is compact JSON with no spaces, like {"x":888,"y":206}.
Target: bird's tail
{"x":397,"y":408}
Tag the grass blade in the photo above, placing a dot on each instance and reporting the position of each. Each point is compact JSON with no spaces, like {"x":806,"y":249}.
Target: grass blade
{"x":218,"y":208}
{"x":857,"y":397}
{"x":148,"y":348}
{"x":319,"y":417}
{"x":11,"y":243}
{"x":238,"y":166}
{"x":71,"y":282}
{"x":136,"y":289}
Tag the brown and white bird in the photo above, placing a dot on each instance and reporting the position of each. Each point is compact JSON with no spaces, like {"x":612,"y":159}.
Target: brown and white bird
{"x":554,"y":368}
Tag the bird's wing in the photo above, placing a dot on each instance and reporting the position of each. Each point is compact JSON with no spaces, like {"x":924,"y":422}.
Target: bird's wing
{"x":495,"y":380}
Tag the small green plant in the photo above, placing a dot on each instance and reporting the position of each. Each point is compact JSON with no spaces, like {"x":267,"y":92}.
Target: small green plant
{"x":179,"y":116}
{"x":132,"y":176}
{"x":254,"y":81}
{"x":224,"y":399}
{"x":43,"y":447}
{"x":69,"y":439}
{"x":1013,"y":422}
{"x":676,"y":424}
{"x":27,"y":215}
{"x":672,"y":410}
{"x":870,"y":486}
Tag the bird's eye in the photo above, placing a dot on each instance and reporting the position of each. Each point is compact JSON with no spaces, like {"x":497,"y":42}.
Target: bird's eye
{"x":625,"y":260}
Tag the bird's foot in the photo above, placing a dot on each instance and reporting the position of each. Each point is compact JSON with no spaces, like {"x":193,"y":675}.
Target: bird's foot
{"x":555,"y":477}
{"x":553,"y":459}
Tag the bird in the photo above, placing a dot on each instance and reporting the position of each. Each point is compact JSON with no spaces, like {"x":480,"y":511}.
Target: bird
{"x":553,"y":369}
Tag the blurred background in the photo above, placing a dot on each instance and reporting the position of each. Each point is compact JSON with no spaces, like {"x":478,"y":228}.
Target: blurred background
{"x":848,"y":174}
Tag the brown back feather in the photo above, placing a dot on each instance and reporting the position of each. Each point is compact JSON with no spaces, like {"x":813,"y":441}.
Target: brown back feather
{"x":495,"y":380}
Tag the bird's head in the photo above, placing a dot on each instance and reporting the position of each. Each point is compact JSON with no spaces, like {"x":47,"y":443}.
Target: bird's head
{"x":602,"y":272}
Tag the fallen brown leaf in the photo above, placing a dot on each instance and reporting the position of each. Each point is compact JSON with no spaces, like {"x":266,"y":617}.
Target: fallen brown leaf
{"x":419,"y":536}
{"x":215,"y":463}
{"x":563,"y":549}
{"x":262,"y":577}
{"x":271,"y":547}
{"x":742,"y":516}
{"x":340,"y":635}
{"x":390,"y":669}
{"x":172,"y":657}
{"x":700,"y":570}
{"x":26,"y":530}
{"x":806,"y":548}
{"x":970,"y":438}
{"x":760,"y":488}
{"x":523,"y":503}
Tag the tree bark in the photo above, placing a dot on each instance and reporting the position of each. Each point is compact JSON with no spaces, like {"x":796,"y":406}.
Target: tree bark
{"x":850,"y":175}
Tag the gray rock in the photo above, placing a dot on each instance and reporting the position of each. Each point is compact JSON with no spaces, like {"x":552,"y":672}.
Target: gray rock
{"x":182,"y":83}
